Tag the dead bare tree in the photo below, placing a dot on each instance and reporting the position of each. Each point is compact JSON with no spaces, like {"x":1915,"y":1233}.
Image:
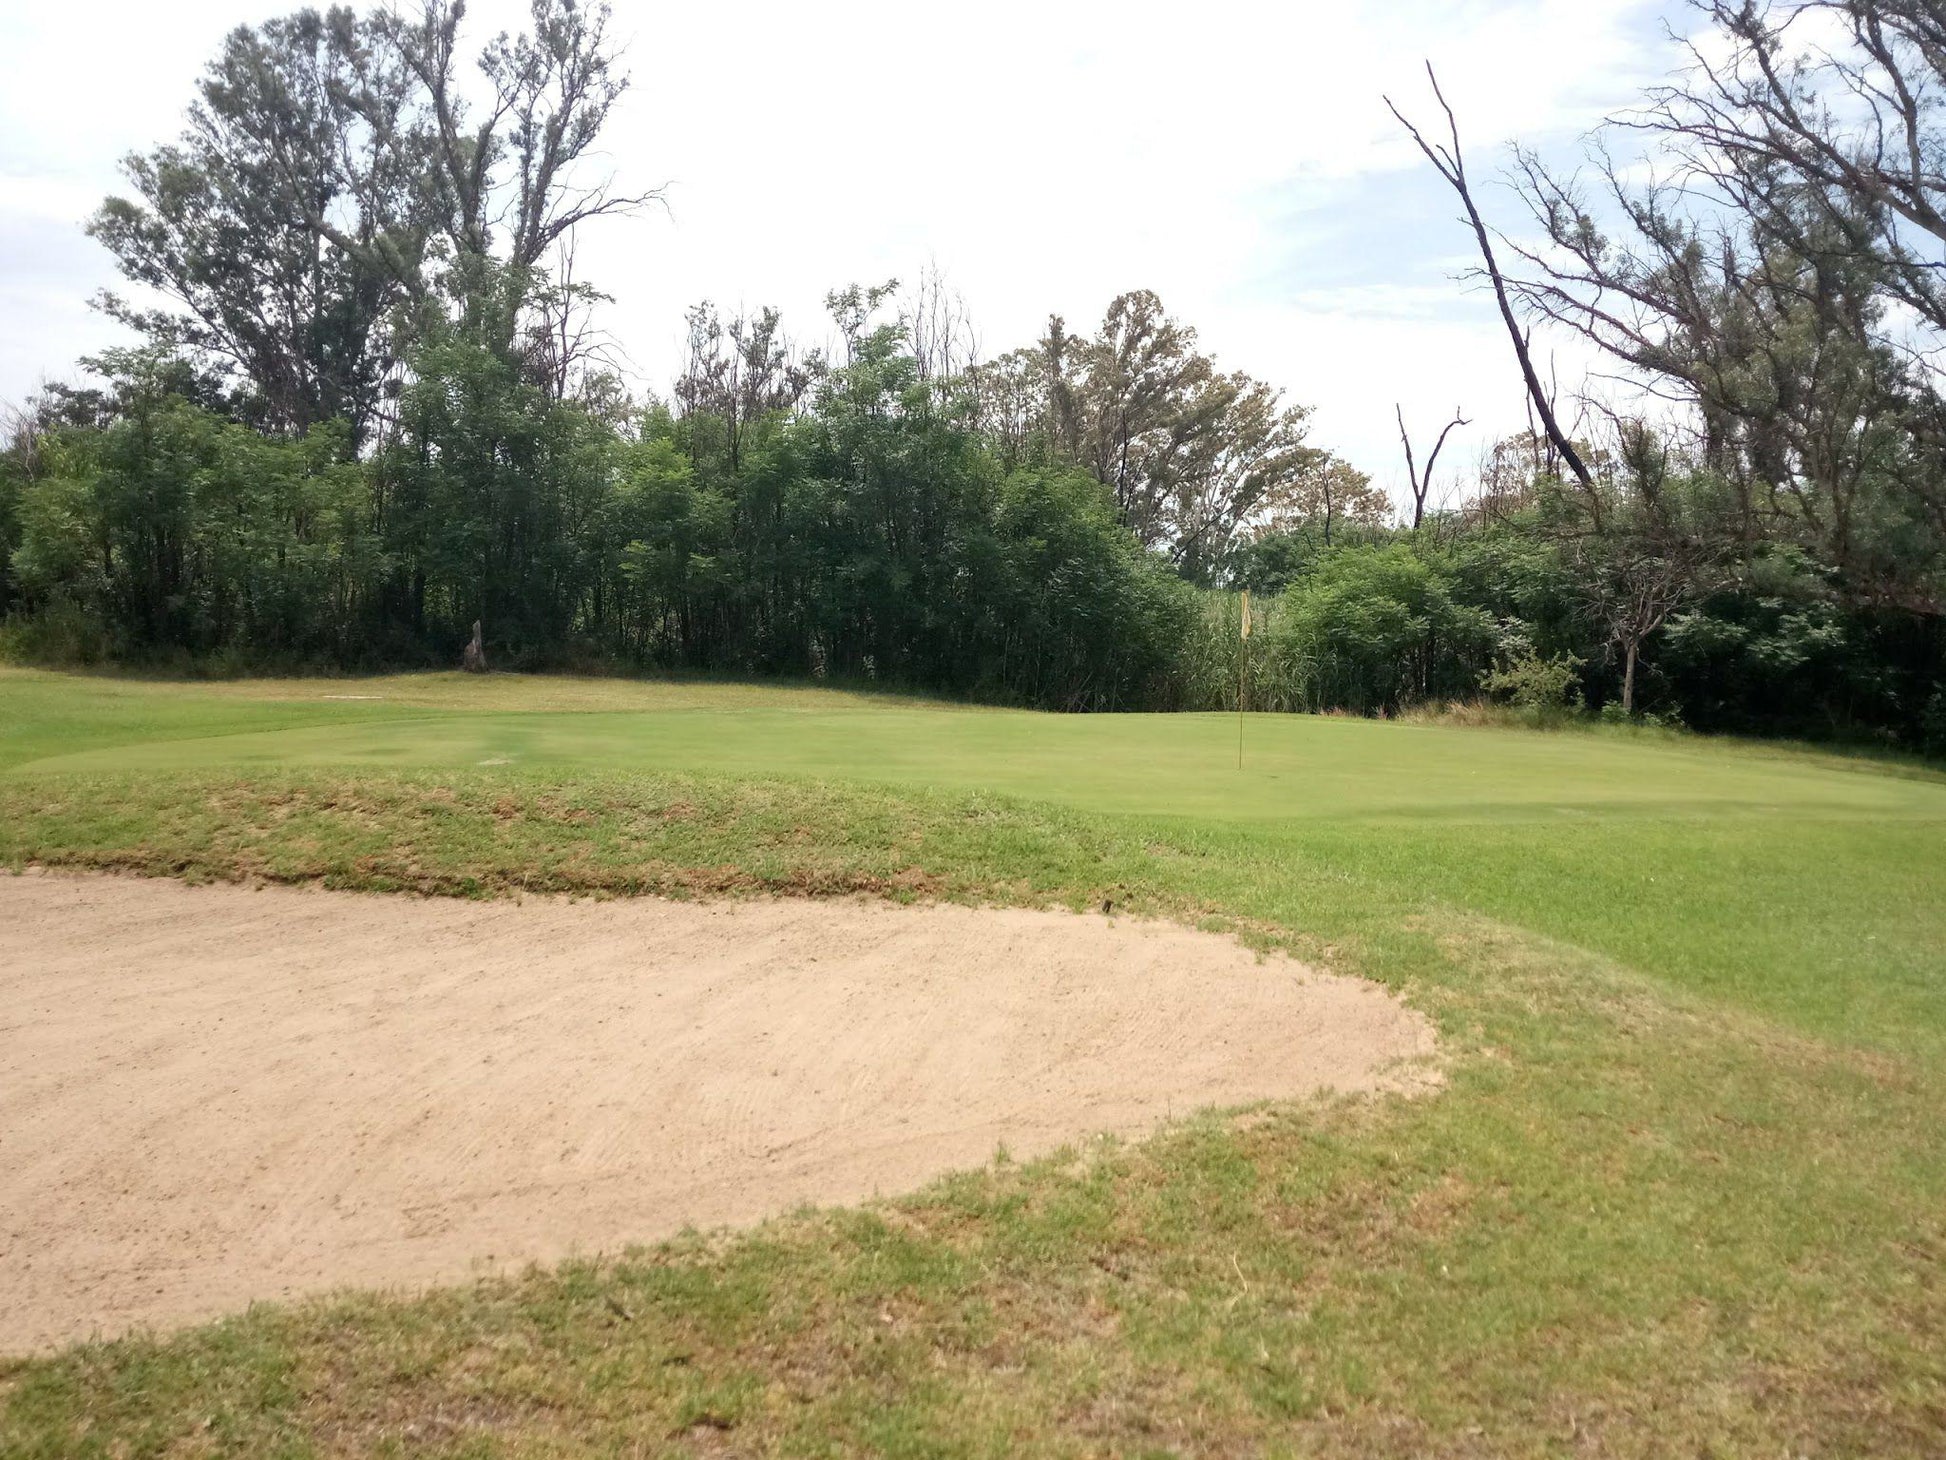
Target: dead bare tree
{"x":741,"y":371}
{"x":1630,"y":588}
{"x":1448,"y":160}
{"x":1843,"y":113}
{"x":939,"y":329}
{"x":1422,"y":483}
{"x":552,"y":91}
{"x":564,"y":346}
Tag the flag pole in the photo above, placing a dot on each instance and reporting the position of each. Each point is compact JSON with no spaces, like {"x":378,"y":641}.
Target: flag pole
{"x":1243,"y":666}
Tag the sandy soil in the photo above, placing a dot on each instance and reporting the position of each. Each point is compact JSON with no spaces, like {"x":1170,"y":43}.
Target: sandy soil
{"x":213,"y":1095}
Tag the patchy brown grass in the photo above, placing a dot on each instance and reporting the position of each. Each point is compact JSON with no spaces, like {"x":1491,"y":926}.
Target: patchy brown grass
{"x":1639,"y":1221}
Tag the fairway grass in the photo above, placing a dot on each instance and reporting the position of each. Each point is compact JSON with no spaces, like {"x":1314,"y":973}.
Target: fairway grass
{"x":1685,"y":1191}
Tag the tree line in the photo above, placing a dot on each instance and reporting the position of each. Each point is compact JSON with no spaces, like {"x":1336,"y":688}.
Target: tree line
{"x":375,"y":405}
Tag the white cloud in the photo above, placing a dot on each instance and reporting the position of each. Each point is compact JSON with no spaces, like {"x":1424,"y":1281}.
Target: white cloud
{"x":1234,"y":157}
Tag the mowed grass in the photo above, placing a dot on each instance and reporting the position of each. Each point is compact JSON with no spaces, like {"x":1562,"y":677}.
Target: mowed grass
{"x":1685,"y":1191}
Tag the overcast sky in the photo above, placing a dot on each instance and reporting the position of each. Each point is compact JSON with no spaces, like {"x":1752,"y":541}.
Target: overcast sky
{"x":1235,"y":158}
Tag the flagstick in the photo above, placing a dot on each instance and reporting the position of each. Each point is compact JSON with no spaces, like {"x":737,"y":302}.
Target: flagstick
{"x":1243,"y":667}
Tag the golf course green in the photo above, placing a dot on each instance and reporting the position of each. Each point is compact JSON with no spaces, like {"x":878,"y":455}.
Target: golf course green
{"x":1308,"y":767}
{"x":1684,"y":1189}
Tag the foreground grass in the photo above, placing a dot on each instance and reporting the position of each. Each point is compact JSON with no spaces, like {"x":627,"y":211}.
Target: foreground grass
{"x":1685,"y":1193}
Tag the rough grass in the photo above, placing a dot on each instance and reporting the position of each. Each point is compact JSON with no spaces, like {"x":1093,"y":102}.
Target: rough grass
{"x":1685,"y":1192}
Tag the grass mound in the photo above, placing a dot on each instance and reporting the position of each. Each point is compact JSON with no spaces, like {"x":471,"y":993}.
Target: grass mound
{"x":1685,"y":1191}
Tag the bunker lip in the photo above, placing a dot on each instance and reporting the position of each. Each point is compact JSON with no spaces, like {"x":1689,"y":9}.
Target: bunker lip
{"x":215,"y":1095}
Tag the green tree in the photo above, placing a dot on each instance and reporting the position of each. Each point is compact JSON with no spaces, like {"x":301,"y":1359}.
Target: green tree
{"x":1374,"y":629}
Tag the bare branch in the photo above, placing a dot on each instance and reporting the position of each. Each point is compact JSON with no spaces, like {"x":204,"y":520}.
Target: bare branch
{"x":1450,"y":163}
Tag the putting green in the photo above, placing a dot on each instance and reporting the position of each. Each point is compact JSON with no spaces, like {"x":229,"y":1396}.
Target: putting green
{"x":1806,"y":885}
{"x":1295,"y":767}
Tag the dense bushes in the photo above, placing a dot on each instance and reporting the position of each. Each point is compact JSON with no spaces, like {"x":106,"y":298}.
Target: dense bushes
{"x":1370,"y":628}
{"x":1082,"y":617}
{"x":173,"y":528}
{"x":1375,"y":629}
{"x":1766,"y":645}
{"x":868,"y":534}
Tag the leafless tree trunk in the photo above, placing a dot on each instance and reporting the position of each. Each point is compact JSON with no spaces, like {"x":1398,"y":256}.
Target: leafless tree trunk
{"x":1449,"y":162}
{"x":939,"y":329}
{"x":1421,"y":485}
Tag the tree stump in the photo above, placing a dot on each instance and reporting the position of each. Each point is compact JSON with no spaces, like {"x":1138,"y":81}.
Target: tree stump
{"x":473,"y":661}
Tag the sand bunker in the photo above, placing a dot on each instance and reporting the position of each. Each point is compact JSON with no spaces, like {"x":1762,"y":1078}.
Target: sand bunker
{"x":212,"y":1095}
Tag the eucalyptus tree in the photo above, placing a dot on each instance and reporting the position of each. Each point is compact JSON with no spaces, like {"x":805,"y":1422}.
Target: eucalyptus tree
{"x":287,"y":222}
{"x":1193,"y":455}
{"x":339,"y":185}
{"x":502,"y":172}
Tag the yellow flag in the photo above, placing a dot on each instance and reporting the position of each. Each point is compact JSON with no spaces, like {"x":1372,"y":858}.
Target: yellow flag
{"x":1246,"y":613}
